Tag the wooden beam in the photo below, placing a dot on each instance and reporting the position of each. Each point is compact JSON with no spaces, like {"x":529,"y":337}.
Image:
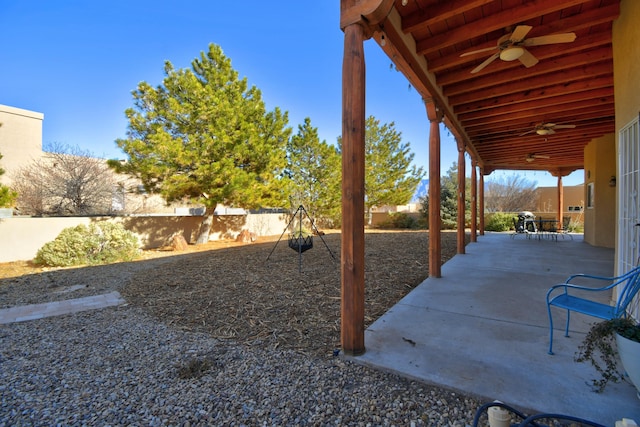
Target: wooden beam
{"x":352,"y":236}
{"x":460,"y":232}
{"x":438,"y":13}
{"x":497,"y":21}
{"x":367,"y":13}
{"x":481,"y":200}
{"x":573,"y":67}
{"x":474,"y":201}
{"x":560,"y":202}
{"x":545,"y":106}
{"x":435,"y":239}
{"x":454,"y":60}
{"x":541,"y":87}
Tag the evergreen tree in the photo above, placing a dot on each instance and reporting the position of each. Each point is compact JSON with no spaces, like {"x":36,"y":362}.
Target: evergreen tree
{"x":449,"y":199}
{"x":314,"y":168}
{"x":205,"y":135}
{"x":7,"y":195}
{"x":390,"y":178}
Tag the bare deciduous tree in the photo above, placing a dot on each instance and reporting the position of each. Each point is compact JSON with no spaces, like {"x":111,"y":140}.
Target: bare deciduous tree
{"x":512,"y":193}
{"x":65,"y":181}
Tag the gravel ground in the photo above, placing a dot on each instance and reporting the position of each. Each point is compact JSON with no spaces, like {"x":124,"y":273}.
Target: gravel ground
{"x":129,"y":365}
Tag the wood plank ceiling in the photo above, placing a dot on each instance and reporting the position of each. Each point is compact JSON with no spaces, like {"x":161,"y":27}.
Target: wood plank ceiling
{"x":495,"y":111}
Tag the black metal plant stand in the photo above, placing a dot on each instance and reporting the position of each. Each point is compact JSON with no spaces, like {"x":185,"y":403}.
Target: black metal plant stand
{"x":299,"y":242}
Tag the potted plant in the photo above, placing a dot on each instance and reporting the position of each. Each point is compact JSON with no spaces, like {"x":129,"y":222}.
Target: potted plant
{"x":604,"y":342}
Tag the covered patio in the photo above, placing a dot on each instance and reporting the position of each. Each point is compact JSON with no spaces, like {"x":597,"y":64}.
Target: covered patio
{"x":482,"y":329}
{"x":520,"y":85}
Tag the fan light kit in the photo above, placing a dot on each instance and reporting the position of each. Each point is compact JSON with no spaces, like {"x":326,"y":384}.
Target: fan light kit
{"x":545,"y":129}
{"x":531,"y":157}
{"x":512,"y":46}
{"x":511,"y":53}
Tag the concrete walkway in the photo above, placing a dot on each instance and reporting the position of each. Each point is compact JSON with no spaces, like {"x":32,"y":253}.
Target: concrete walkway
{"x":482,"y":328}
{"x":38,"y":311}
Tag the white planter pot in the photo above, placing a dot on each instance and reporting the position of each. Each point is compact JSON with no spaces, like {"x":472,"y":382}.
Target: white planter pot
{"x":629,"y":352}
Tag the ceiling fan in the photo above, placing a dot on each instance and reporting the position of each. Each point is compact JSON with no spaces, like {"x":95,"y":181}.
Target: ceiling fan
{"x":547,"y":128}
{"x":531,"y":157}
{"x":512,"y":46}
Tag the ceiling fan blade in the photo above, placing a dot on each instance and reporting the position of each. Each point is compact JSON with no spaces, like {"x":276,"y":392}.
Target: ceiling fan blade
{"x":550,"y":39}
{"x":550,"y":131}
{"x":520,"y":33}
{"x":564,"y":126}
{"x":527,"y":59}
{"x":486,"y":49}
{"x":527,"y":132}
{"x":541,"y":156}
{"x":487,"y":61}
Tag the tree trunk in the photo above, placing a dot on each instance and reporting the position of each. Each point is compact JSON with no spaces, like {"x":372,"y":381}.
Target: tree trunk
{"x":205,"y":226}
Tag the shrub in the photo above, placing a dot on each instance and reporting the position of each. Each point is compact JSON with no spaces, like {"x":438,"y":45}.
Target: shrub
{"x":7,"y":197}
{"x":99,"y":243}
{"x":575,"y":227}
{"x":399,"y":220}
{"x":499,"y":221}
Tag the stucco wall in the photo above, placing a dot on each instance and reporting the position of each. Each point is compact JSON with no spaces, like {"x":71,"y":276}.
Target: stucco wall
{"x":23,"y":236}
{"x":626,"y":63}
{"x":20,"y":139}
{"x":626,"y":66}
{"x":600,"y":166}
{"x":548,"y":198}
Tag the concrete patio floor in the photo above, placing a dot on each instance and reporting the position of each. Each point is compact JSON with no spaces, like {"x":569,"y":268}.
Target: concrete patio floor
{"x":483,"y":329}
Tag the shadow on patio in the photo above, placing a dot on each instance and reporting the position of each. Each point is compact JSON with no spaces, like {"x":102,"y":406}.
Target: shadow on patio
{"x":483,"y":329}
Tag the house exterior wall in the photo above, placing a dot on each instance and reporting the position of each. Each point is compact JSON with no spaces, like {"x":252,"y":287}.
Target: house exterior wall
{"x":548,"y":198}
{"x":626,"y":67}
{"x":626,"y":76}
{"x":20,"y":139}
{"x":599,"y":167}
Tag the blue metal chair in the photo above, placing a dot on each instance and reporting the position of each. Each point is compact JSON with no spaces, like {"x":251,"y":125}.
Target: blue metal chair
{"x":565,"y":296}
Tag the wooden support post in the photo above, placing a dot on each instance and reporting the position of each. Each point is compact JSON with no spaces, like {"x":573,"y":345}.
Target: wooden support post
{"x":461,"y":225}
{"x":481,"y":200}
{"x":353,"y":132}
{"x":474,"y":201}
{"x":435,"y":239}
{"x":560,"y":202}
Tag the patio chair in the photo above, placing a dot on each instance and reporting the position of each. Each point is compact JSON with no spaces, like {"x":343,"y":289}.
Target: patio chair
{"x":566,"y":221}
{"x":573,"y":297}
{"x":518,"y":228}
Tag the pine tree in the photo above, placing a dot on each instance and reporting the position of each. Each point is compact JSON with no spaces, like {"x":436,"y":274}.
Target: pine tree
{"x":390,"y":177}
{"x":314,"y":169}
{"x":205,"y":135}
{"x":7,"y":195}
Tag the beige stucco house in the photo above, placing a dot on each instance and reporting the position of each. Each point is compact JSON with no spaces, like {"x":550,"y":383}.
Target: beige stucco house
{"x":20,"y":139}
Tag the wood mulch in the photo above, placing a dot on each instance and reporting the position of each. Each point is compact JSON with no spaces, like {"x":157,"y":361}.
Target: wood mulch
{"x":233,"y":292}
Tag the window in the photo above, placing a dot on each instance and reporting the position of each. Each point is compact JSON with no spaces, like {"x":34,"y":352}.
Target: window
{"x":590,"y":195}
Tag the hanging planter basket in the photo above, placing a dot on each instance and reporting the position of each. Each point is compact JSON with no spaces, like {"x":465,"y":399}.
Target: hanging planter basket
{"x":300,"y":243}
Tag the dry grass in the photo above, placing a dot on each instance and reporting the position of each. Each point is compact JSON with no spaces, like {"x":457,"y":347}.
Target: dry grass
{"x":234,"y":293}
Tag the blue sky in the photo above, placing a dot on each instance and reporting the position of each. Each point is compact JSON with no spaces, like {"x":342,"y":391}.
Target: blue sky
{"x":78,"y":62}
